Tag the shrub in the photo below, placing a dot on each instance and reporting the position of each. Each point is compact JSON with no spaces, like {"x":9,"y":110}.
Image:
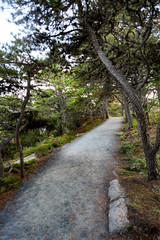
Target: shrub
{"x":42,"y":149}
{"x":29,"y":151}
{"x":9,"y":182}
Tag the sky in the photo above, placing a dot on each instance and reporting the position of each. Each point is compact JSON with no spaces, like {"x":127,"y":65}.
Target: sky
{"x":5,"y":27}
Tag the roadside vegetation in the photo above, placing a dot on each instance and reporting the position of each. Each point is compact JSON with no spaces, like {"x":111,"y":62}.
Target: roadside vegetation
{"x":144,"y":196}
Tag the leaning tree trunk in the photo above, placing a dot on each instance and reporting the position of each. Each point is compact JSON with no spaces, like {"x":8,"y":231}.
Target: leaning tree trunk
{"x":141,"y":116}
{"x":127,"y":110}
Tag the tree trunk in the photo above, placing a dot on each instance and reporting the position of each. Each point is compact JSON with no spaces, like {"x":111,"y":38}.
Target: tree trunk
{"x":19,"y":145}
{"x":1,"y":166}
{"x":127,"y":111}
{"x":152,"y":165}
{"x":64,"y":127}
{"x":141,"y":116}
{"x":158,"y":93}
{"x":122,"y":109}
{"x":91,"y":117}
{"x":18,"y":126}
{"x":101,"y":111}
{"x":106,"y":109}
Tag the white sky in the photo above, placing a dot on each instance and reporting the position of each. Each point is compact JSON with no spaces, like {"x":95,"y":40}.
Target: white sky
{"x":5,"y":27}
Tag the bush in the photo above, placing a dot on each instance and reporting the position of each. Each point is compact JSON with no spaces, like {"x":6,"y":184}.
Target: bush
{"x":42,"y":149}
{"x":9,"y":182}
{"x":29,"y":151}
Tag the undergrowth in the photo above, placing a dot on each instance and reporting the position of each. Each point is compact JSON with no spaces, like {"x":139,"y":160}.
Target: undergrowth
{"x":144,"y":196}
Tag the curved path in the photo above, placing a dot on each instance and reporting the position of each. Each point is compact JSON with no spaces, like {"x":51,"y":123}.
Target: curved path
{"x":66,"y":200}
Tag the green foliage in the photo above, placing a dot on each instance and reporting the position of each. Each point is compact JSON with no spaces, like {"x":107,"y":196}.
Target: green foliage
{"x":32,"y":167}
{"x":122,"y":136}
{"x":154,"y":115}
{"x":10,"y":182}
{"x":115,"y":110}
{"x":125,"y":126}
{"x":125,"y":172}
{"x":29,"y":150}
{"x":17,"y":165}
{"x":134,"y":132}
{"x":15,"y":170}
{"x":137,"y":165}
{"x":31,"y":161}
{"x":126,"y":147}
{"x":42,"y":149}
{"x":3,"y":189}
{"x":134,"y":123}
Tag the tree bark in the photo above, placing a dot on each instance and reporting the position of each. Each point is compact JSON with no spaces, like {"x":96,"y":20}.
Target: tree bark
{"x":106,"y":109}
{"x":19,"y":145}
{"x":141,"y":116}
{"x":101,"y":111}
{"x":20,"y":122}
{"x":152,"y":165}
{"x":127,"y":111}
{"x":158,"y":93}
{"x":91,"y":117}
{"x":1,"y":165}
{"x":64,"y":127}
{"x":3,"y":144}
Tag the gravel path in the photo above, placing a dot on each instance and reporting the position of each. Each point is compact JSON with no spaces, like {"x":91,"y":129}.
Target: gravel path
{"x":66,"y":199}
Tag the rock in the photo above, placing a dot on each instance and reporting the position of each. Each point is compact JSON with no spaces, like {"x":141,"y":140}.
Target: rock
{"x":28,"y":158}
{"x":115,"y":190}
{"x":118,"y":221}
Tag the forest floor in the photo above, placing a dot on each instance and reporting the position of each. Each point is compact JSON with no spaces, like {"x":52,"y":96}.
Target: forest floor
{"x":144,"y":196}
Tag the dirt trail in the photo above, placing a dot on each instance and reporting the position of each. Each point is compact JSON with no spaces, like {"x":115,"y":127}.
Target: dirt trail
{"x":66,"y":200}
